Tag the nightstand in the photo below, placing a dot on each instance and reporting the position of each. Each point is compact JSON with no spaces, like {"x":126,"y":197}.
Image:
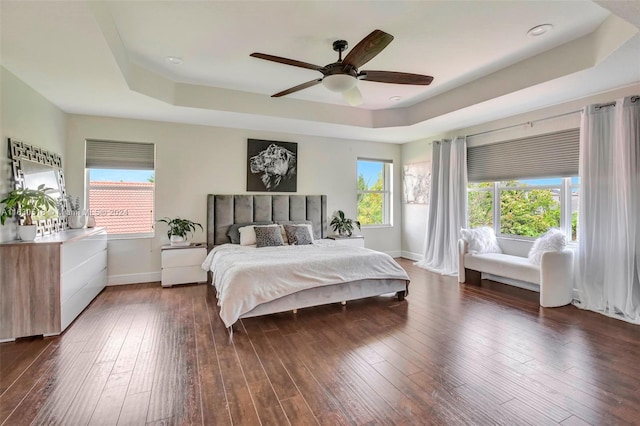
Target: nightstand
{"x":181,"y":265}
{"x":354,"y":240}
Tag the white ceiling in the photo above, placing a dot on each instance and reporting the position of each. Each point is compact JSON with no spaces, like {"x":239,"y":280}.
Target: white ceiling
{"x":108,"y":58}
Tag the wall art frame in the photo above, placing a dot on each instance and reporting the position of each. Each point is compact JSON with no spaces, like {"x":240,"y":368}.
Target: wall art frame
{"x":272,"y":166}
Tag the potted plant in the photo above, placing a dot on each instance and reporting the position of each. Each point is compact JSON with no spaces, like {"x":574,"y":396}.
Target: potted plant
{"x":75,"y":220}
{"x":179,"y":228}
{"x":27,"y":203}
{"x":343,"y":225}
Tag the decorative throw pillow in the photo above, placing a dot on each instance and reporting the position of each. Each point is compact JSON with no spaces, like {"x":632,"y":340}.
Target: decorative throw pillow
{"x":234,"y":234}
{"x":552,"y":240}
{"x":308,"y":223}
{"x":480,"y":240}
{"x":248,"y":234}
{"x":292,"y":233}
{"x":303,"y":237}
{"x":268,"y":236}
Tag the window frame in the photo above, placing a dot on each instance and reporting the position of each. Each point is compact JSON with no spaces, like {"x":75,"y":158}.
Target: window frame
{"x":565,"y":187}
{"x":387,"y":192}
{"x":135,"y":160}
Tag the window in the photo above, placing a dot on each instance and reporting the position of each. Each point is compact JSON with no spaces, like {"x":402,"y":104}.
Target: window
{"x":525,"y":207}
{"x":374,"y":192}
{"x":121,"y":180}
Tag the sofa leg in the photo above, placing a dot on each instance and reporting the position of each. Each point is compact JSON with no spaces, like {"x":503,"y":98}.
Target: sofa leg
{"x":400,"y":295}
{"x":472,"y":277}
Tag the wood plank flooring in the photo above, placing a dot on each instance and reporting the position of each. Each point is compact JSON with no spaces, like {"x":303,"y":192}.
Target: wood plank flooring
{"x":450,"y":354}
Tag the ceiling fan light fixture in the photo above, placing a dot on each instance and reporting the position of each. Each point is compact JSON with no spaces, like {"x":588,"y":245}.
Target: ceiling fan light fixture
{"x":539,"y":30}
{"x":174,"y":60}
{"x":339,"y":82}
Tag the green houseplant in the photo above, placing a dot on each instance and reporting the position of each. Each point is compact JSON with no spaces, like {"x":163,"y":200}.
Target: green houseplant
{"x":27,"y":203}
{"x":179,"y":229}
{"x":343,"y":225}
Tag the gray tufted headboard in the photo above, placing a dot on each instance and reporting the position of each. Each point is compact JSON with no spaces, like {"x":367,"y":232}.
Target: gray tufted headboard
{"x":225,"y":210}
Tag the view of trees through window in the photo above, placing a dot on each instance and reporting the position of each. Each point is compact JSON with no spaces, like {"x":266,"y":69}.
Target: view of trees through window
{"x":372,"y":193}
{"x":526,"y":208}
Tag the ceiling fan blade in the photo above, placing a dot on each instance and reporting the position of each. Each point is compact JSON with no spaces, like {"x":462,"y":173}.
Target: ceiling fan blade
{"x":297,"y":88}
{"x":286,"y":61}
{"x":395,"y":77}
{"x":368,"y":48}
{"x":353,"y":96}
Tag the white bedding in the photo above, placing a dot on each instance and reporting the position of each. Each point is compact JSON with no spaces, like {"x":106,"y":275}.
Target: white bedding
{"x":246,"y":277}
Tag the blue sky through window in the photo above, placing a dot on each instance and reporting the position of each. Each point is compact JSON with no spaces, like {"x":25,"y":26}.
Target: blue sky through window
{"x":370,"y":170}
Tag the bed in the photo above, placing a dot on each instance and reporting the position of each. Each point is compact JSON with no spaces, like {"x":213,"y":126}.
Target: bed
{"x":348,"y":273}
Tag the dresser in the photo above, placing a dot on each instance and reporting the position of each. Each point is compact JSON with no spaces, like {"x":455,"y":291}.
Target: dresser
{"x":182,"y":265}
{"x":45,"y":284}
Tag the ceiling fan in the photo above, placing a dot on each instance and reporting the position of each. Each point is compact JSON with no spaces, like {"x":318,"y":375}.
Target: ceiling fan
{"x":342,"y":76}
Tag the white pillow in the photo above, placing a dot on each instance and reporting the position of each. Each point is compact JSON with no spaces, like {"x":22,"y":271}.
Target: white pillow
{"x":552,"y":240}
{"x":248,"y":234}
{"x":480,"y":240}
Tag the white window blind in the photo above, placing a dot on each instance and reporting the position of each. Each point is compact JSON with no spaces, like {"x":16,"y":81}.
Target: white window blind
{"x":120,"y":155}
{"x":549,"y":155}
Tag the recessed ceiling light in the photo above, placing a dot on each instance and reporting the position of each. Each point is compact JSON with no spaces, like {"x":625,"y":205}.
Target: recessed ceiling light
{"x":539,"y":30}
{"x":174,"y":60}
{"x":395,"y":98}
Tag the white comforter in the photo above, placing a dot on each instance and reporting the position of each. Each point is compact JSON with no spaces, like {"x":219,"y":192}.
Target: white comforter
{"x":245,"y":277}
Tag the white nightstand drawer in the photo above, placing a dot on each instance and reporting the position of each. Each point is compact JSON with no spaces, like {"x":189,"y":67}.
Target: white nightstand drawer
{"x":183,"y":257}
{"x":183,"y":275}
{"x":355,"y":241}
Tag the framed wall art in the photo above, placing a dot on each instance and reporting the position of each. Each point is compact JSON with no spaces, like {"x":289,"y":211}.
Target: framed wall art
{"x":272,"y":166}
{"x":416,"y":179}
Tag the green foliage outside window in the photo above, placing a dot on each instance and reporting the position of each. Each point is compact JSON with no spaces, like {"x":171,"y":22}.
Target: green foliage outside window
{"x":370,"y":205}
{"x":480,"y":205}
{"x":523,"y":212}
{"x":529,"y":213}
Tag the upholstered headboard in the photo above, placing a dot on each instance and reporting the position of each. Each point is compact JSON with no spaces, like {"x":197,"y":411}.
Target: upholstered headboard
{"x":225,"y":210}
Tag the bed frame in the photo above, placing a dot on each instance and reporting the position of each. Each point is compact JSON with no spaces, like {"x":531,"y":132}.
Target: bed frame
{"x":226,"y":210}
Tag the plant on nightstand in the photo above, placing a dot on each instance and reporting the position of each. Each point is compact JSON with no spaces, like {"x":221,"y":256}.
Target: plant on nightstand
{"x":343,"y":225}
{"x":27,"y":203}
{"x":178,"y":230}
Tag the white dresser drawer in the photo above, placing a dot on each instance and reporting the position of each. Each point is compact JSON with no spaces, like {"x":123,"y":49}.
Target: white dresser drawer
{"x":81,"y":274}
{"x":183,"y":275}
{"x":349,"y":241}
{"x":76,"y":252}
{"x":183,"y":257}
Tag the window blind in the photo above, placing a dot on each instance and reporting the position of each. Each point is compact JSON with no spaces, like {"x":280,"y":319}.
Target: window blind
{"x":548,"y":155}
{"x":101,"y":154}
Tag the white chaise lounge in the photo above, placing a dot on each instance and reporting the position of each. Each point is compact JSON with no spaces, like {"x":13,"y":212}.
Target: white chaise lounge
{"x":553,"y":275}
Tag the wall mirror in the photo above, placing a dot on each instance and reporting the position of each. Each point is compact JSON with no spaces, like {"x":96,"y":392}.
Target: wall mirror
{"x":33,"y":166}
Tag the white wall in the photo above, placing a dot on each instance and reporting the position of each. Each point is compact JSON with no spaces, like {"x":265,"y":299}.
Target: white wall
{"x":27,"y":116}
{"x":193,"y":161}
{"x":414,"y":219}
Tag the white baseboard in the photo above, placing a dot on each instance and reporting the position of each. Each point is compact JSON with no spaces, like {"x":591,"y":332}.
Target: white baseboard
{"x":395,"y":253}
{"x":416,"y":257}
{"x":147,"y":277}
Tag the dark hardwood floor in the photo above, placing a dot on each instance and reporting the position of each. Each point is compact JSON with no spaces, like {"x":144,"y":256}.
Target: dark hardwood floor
{"x":450,"y":354}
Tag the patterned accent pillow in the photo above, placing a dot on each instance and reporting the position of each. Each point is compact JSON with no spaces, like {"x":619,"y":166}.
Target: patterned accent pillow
{"x":268,"y":236}
{"x":290,"y":232}
{"x":302,"y":236}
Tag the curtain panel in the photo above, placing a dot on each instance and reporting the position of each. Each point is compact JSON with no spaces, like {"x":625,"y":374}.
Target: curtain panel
{"x":608,"y":261}
{"x":448,"y":206}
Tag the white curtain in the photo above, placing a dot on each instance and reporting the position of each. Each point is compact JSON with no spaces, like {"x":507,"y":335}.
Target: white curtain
{"x":608,"y":262}
{"x":448,"y":206}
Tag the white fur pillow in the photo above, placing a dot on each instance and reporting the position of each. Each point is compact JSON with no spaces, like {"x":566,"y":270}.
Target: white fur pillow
{"x":552,"y":240}
{"x":480,"y":240}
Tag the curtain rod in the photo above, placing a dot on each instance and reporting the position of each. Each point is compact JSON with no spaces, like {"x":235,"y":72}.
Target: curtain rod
{"x":530,"y":123}
{"x":526,"y":123}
